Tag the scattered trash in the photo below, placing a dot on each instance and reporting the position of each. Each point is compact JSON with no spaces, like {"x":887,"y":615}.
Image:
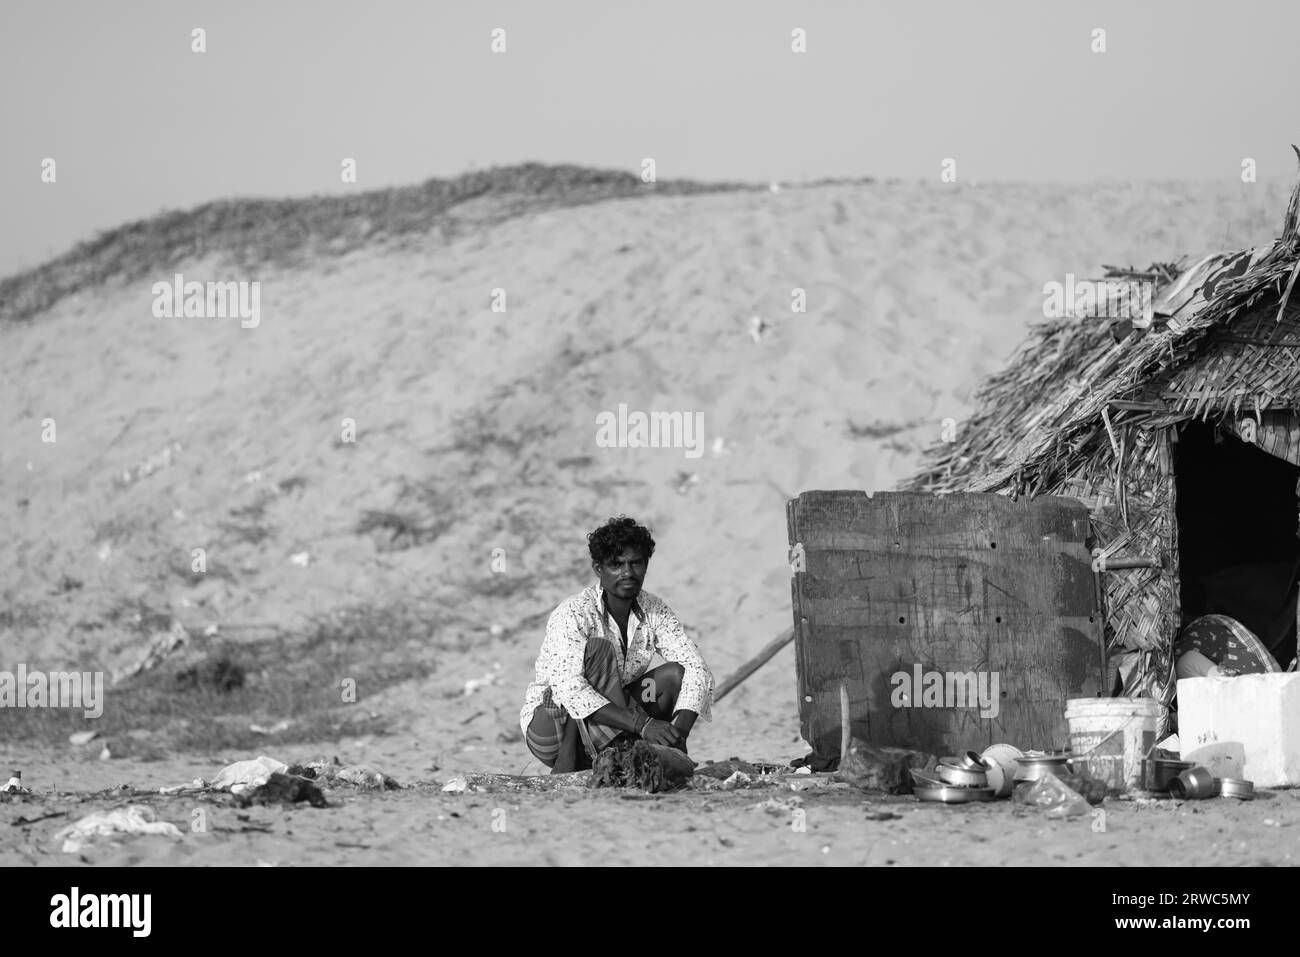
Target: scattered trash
{"x":1091,"y":789}
{"x":368,"y":778}
{"x":738,"y":780}
{"x":496,"y":631}
{"x":243,"y":776}
{"x":721,"y":770}
{"x":457,"y":785}
{"x":106,"y":754}
{"x":332,"y":772}
{"x":685,"y":480}
{"x":198,"y":784}
{"x":1053,"y":795}
{"x":133,"y":819}
{"x":15,"y":784}
{"x":774,"y":187}
{"x":281,"y":788}
{"x":276,"y":728}
{"x":301,"y":559}
{"x":82,"y":737}
{"x":756,"y":328}
{"x":720,"y":447}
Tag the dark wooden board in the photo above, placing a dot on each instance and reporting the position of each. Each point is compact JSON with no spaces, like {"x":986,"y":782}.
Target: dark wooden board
{"x":969,"y":584}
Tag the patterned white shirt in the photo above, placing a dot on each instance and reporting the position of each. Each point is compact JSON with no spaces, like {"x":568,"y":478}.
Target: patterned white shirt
{"x":651,"y":626}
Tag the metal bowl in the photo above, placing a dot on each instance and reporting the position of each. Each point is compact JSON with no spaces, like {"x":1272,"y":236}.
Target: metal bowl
{"x":962,"y":777}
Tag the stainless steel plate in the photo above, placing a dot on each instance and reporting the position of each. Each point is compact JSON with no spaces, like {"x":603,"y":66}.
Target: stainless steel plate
{"x":925,"y":779}
{"x":951,"y":795}
{"x":1237,"y":788}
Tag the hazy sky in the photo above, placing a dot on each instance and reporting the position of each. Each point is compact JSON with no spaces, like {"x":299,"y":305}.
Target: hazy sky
{"x":138,"y":123}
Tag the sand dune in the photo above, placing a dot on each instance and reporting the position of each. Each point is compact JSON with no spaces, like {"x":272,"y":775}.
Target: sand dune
{"x":481,"y":425}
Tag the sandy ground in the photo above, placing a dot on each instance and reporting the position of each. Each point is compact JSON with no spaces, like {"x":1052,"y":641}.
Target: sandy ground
{"x":484,"y":424}
{"x":823,"y":823}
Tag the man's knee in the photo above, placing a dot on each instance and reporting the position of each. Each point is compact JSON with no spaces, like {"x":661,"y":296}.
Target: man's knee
{"x":668,"y":677}
{"x":658,"y":689}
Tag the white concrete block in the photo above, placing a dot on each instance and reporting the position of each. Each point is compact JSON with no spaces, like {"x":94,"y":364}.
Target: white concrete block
{"x":1244,"y":727}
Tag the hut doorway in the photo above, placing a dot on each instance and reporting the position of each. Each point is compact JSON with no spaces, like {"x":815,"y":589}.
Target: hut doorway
{"x":1237,"y":546}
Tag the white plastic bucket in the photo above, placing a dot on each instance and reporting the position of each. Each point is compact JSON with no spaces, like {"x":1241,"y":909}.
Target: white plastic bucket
{"x":1113,"y":736}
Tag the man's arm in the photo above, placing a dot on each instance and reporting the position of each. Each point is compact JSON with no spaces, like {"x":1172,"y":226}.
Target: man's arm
{"x":673,"y":644}
{"x":668,"y":733}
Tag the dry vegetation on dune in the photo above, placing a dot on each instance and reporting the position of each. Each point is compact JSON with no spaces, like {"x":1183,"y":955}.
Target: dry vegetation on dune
{"x":288,"y":232}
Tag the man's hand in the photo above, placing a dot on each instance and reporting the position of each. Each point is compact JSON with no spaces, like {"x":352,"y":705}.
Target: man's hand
{"x":663,"y":732}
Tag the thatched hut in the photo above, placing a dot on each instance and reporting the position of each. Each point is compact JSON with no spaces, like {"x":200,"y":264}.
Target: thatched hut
{"x":1181,"y":435}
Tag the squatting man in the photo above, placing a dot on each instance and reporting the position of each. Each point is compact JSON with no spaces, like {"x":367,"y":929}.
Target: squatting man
{"x":593,"y":683}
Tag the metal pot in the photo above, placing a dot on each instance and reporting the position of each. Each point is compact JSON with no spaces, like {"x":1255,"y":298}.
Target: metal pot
{"x":1034,"y":766}
{"x":1193,"y":785}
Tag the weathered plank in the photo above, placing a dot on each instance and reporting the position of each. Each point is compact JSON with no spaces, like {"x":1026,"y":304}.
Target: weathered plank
{"x":969,"y":585}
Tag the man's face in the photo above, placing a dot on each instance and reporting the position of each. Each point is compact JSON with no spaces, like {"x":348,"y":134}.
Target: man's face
{"x":623,"y":574}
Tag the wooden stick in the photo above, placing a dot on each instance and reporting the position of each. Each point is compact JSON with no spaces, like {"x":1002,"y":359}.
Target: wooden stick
{"x":749,"y":667}
{"x":473,"y":780}
{"x":846,"y":725}
{"x":1137,"y":561}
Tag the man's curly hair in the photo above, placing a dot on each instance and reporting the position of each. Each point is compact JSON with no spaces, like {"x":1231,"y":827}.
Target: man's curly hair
{"x":606,"y":542}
